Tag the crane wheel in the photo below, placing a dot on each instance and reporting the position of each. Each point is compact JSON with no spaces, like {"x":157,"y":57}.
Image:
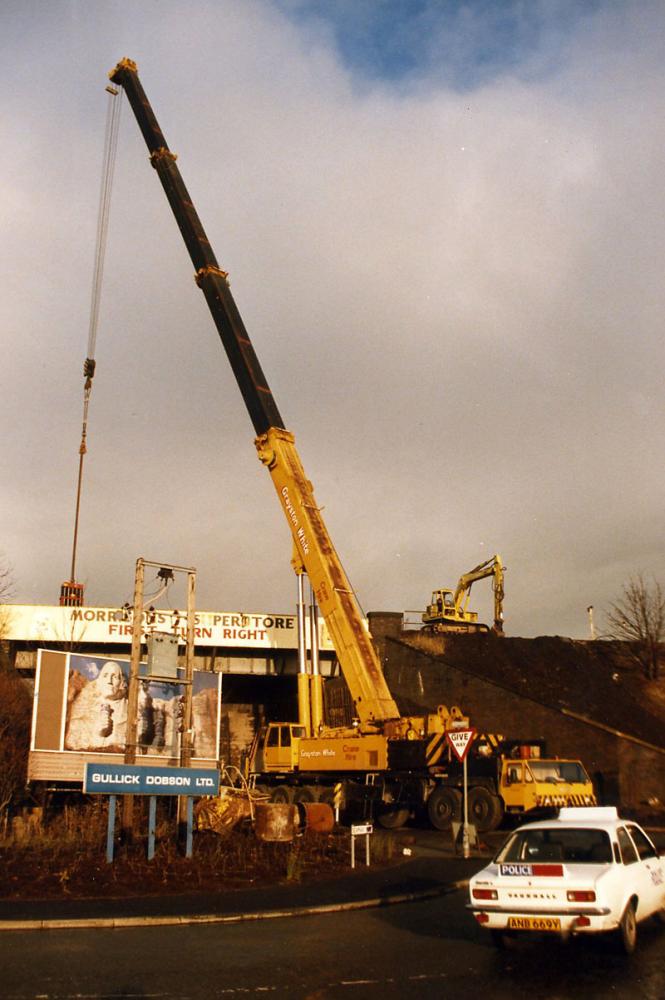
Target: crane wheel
{"x":393,"y":819}
{"x":305,"y":794}
{"x":282,"y":793}
{"x":327,"y":794}
{"x":444,"y":806}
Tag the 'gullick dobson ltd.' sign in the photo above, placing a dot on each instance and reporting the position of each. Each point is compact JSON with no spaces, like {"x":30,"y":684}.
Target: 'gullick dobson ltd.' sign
{"x":134,"y":779}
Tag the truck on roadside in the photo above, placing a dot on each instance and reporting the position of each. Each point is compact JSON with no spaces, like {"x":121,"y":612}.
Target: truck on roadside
{"x":504,"y":778}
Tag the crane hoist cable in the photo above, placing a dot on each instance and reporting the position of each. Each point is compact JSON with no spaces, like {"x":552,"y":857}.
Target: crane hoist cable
{"x":110,"y":146}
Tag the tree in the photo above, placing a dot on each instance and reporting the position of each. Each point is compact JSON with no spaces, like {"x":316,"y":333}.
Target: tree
{"x":6,"y":593}
{"x":637,"y":618}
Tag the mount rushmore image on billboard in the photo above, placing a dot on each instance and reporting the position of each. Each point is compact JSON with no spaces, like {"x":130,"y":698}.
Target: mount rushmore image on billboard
{"x":96,"y":712}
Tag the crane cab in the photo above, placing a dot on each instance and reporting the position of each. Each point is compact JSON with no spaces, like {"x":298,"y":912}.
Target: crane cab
{"x":277,"y":747}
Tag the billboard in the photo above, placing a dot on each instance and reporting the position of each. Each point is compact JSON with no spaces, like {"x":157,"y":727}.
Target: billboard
{"x":80,"y":708}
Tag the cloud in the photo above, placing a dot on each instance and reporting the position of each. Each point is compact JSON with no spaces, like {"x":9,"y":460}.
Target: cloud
{"x":454,"y":292}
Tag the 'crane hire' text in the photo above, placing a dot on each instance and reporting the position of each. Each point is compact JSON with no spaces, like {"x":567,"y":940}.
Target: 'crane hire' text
{"x":293,"y":517}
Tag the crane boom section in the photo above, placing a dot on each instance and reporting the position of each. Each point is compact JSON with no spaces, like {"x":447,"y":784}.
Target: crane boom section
{"x":334,"y":595}
{"x":357,"y":656}
{"x":210,"y":278}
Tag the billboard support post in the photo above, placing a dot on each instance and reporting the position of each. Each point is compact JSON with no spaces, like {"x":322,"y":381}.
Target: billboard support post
{"x":166,"y":572}
{"x":190,"y":826}
{"x":110,"y":830}
{"x":133,"y":697}
{"x":152,"y":815}
{"x":186,"y":748}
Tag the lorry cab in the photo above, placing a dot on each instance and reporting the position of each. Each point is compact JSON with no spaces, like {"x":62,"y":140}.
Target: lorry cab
{"x":538,"y":783}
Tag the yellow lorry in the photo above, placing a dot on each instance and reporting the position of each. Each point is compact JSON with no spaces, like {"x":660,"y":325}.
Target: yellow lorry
{"x":505,"y":778}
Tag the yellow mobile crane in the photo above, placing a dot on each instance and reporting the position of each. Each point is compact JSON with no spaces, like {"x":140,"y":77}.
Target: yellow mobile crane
{"x":403,"y":759}
{"x":448,"y":610}
{"x":381,"y":746}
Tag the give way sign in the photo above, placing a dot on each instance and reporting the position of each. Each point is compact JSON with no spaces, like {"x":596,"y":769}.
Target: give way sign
{"x":461,"y":740}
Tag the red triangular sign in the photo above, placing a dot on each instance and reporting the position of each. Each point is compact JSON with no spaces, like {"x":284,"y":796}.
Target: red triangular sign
{"x":460,"y":740}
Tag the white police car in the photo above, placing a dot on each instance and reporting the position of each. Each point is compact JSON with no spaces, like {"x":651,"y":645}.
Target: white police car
{"x":587,"y":871}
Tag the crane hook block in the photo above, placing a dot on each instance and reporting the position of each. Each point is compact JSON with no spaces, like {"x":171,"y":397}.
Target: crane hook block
{"x":89,"y":367}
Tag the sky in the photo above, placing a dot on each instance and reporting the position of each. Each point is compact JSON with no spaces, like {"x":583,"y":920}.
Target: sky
{"x":443,"y":224}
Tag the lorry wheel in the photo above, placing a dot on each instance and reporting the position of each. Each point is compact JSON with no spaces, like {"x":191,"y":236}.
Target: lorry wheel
{"x":392,"y":819}
{"x":444,"y":806}
{"x":485,"y":809}
{"x":282,"y":793}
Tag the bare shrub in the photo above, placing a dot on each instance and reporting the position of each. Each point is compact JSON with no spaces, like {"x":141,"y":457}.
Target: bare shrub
{"x":15,"y":716}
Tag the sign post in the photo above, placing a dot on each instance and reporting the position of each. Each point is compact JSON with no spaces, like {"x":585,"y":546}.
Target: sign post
{"x":460,"y":740}
{"x":360,"y":830}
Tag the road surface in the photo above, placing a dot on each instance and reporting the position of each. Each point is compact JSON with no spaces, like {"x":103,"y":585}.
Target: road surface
{"x":428,"y":949}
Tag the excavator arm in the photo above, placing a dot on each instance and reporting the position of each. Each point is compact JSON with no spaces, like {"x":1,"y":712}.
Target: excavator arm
{"x":275,"y":445}
{"x":492,"y":567}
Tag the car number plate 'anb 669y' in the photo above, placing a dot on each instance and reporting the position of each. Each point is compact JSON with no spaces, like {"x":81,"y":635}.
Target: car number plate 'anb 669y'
{"x":534,"y":924}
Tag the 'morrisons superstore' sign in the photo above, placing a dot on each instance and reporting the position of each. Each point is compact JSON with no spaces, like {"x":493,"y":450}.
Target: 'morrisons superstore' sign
{"x":45,"y":623}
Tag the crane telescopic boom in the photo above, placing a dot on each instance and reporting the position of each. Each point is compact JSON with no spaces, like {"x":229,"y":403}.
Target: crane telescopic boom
{"x":275,"y":445}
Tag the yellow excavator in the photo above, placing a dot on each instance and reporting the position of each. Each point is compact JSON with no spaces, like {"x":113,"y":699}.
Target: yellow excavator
{"x":448,"y":610}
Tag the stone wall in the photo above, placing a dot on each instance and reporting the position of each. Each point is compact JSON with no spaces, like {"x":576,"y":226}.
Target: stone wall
{"x":623,"y":771}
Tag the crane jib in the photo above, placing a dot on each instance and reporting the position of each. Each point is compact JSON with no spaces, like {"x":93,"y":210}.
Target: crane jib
{"x":358,"y":659}
{"x":211,"y":279}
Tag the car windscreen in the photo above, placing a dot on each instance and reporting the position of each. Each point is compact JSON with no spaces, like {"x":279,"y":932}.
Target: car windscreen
{"x":556,"y":771}
{"x":574,"y":846}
